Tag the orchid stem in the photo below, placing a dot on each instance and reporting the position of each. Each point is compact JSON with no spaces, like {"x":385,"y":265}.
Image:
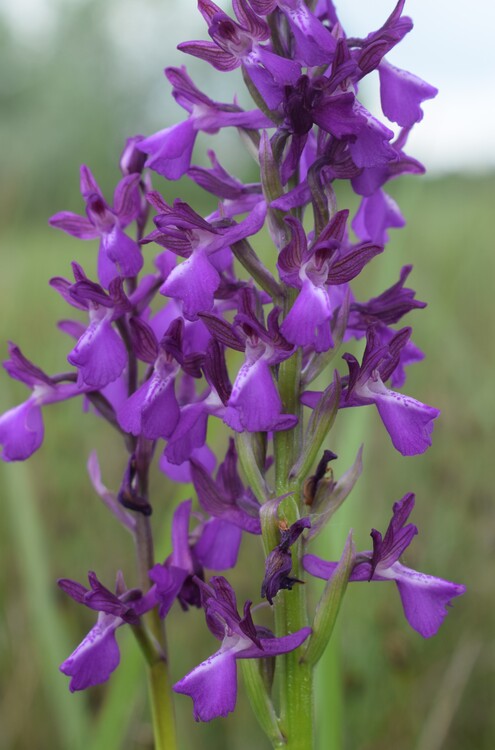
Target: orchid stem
{"x":295,"y":678}
{"x":159,"y":683}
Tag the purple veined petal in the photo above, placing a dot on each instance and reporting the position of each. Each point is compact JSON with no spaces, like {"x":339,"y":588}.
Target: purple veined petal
{"x":310,"y":310}
{"x":75,"y":225}
{"x":123,"y":252}
{"x":212,"y":686}
{"x":408,"y":422}
{"x":21,"y":368}
{"x":127,"y":199}
{"x":256,"y":400}
{"x":424,"y":598}
{"x":218,"y":546}
{"x":220,"y":59}
{"x":402,"y":93}
{"x":21,"y":431}
{"x":63,"y":287}
{"x":275,"y":646}
{"x":182,"y":472}
{"x":96,"y":657}
{"x":100,"y":355}
{"x":170,"y":150}
{"x":377,"y":213}
{"x":264,"y":7}
{"x":194,"y":282}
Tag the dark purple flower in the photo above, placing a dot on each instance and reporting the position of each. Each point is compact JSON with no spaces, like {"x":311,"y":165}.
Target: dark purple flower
{"x":118,"y":255}
{"x":213,"y":684}
{"x":278,"y":564}
{"x":424,"y":597}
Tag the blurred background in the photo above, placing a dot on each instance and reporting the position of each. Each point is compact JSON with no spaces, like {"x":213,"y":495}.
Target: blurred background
{"x":76,"y":78}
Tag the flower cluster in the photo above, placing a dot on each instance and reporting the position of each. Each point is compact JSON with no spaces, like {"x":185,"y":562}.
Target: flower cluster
{"x":150,"y":352}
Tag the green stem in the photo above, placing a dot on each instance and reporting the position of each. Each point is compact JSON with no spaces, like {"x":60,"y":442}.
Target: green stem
{"x":294,"y":677}
{"x":159,"y":684}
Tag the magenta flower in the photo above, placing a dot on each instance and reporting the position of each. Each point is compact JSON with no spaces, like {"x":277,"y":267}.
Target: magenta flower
{"x":213,"y":684}
{"x":408,"y":422}
{"x":204,"y":246}
{"x":98,"y":655}
{"x":100,"y":354}
{"x":21,"y":428}
{"x":170,"y":150}
{"x":118,"y":255}
{"x":424,"y":598}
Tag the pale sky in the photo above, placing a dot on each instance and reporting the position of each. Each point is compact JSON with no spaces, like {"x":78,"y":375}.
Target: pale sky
{"x":451,"y":46}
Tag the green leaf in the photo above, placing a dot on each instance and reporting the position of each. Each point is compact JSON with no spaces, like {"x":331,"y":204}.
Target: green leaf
{"x":328,"y":607}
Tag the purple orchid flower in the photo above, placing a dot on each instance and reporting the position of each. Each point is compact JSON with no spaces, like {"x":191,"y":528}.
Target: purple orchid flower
{"x":235,"y":44}
{"x":382,"y":311}
{"x":100,"y":354}
{"x":118,"y":255}
{"x":253,"y":402}
{"x":21,"y":428}
{"x":203,"y":244}
{"x":153,"y":410}
{"x":98,"y":655}
{"x":237,"y":198}
{"x":313,"y":270}
{"x":170,"y":150}
{"x":408,"y":422}
{"x":424,"y":597}
{"x":213,"y":684}
{"x":314,"y":44}
{"x":213,"y":544}
{"x":226,"y":497}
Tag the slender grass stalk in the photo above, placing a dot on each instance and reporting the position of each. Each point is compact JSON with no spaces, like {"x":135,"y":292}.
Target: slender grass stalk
{"x":52,"y":644}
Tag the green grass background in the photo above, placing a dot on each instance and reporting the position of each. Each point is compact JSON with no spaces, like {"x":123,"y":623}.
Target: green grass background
{"x":399,"y":691}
